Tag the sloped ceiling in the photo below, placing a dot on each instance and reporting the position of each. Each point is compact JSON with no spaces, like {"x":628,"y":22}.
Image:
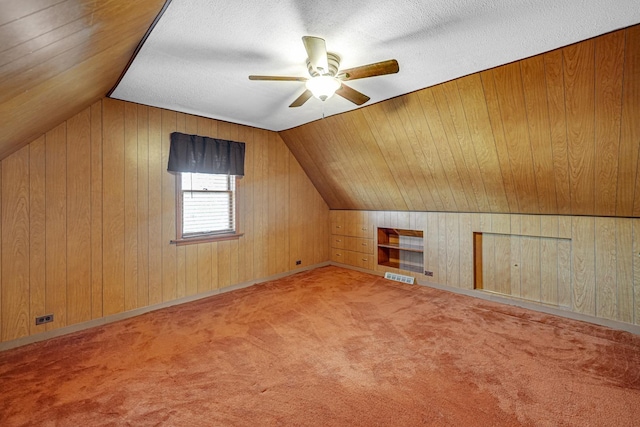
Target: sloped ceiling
{"x":557,"y":133}
{"x":57,"y":57}
{"x":199,"y":55}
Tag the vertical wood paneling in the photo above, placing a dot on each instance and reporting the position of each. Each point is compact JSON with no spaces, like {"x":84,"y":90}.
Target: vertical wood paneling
{"x":554,"y":77}
{"x":636,"y":271}
{"x":431,"y":246}
{"x":271,"y":211}
{"x":489,"y":263}
{"x":387,"y":145}
{"x":408,"y":110}
{"x":435,"y":175}
{"x":260,"y":170}
{"x":549,"y":226}
{"x":605,"y":268}
{"x":113,"y":206}
{"x":516,"y":256}
{"x":583,"y":265}
{"x":155,"y":205}
{"x":458,"y":130}
{"x":181,"y":251}
{"x":453,"y":249}
{"x":499,"y":137}
{"x":466,"y":251}
{"x":395,"y":112}
{"x":579,"y":80}
{"x":609,"y":51}
{"x":565,"y":296}
{"x":439,"y":138}
{"x":477,"y":117}
{"x":535,"y":97}
{"x":96,"y":212}
{"x":143,"y":206}
{"x":204,"y":266}
{"x":130,"y":206}
{"x":627,"y":197}
{"x":624,"y":271}
{"x":37,"y":233}
{"x":470,"y":189}
{"x":56,"y":225}
{"x":442,"y":247}
{"x":549,"y":271}
{"x":550,"y":134}
{"x":223,"y":255}
{"x":79,"y":218}
{"x":508,"y":81}
{"x":282,"y":212}
{"x":530,"y":225}
{"x":192,"y":281}
{"x":246,"y":207}
{"x":14,"y":303}
{"x":530,"y":268}
{"x":168,"y":211}
{"x":87,"y":225}
{"x":502,"y":263}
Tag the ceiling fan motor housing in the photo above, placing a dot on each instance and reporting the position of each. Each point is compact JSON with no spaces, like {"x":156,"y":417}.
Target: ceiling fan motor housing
{"x":334,"y":64}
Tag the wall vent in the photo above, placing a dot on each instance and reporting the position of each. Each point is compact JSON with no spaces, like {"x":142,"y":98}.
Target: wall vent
{"x":399,"y":278}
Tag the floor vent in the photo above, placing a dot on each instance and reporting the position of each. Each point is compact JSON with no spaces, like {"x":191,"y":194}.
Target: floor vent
{"x":399,"y":278}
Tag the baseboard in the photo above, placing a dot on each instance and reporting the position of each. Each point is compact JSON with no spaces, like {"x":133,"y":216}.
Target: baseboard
{"x":138,"y":311}
{"x":503,"y":299}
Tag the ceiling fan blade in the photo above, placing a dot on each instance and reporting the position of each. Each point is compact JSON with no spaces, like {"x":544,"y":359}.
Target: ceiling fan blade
{"x":279,"y":78}
{"x":317,"y":53}
{"x":378,"y":69}
{"x":301,"y":99}
{"x":352,"y":95}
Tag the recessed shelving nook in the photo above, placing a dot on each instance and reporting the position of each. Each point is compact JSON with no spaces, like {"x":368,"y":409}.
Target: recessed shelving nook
{"x":400,"y":248}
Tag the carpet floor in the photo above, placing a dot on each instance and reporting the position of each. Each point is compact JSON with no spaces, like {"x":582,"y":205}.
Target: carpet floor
{"x":328,"y":347}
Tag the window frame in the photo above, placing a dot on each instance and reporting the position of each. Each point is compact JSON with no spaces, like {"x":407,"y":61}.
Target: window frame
{"x":204,"y":238}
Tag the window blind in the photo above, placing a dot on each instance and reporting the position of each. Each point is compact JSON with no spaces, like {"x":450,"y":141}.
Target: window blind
{"x":207,"y":204}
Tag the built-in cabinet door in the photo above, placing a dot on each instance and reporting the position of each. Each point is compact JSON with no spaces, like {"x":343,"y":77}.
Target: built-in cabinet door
{"x":528,"y":267}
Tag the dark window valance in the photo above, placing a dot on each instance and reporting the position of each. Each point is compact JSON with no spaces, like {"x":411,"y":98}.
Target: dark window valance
{"x":200,"y":154}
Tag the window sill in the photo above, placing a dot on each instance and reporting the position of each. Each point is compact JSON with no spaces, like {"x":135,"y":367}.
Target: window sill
{"x":206,"y":239}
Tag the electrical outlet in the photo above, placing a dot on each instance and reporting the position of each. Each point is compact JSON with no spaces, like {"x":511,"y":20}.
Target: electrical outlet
{"x":428,"y":273}
{"x":298,"y":262}
{"x":44,"y":319}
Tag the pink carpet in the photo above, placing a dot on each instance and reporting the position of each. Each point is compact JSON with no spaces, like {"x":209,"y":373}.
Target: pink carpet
{"x":328,"y":347}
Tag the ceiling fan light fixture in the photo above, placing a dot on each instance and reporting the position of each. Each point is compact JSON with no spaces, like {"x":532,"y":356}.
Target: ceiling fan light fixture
{"x":323,"y":87}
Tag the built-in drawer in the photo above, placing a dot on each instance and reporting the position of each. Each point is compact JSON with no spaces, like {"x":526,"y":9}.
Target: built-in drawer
{"x":358,"y":244}
{"x":338,"y":241}
{"x":338,"y":255}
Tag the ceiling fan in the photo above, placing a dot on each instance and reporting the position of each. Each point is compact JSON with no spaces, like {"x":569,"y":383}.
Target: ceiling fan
{"x":326,"y":76}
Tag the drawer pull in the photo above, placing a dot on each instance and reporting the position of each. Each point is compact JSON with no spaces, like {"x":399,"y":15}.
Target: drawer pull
{"x":364,"y":228}
{"x":338,"y":240}
{"x":338,"y":226}
{"x":338,"y":254}
{"x":365,"y":259}
{"x":364,"y":244}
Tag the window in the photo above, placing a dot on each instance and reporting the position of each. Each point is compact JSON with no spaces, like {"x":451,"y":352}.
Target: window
{"x":206,"y":206}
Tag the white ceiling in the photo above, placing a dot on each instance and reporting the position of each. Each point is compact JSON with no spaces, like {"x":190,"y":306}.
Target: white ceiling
{"x":197,"y":58}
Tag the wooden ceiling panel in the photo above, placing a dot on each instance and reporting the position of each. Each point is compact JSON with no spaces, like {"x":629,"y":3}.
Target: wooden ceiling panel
{"x":557,"y":133}
{"x":58,"y":57}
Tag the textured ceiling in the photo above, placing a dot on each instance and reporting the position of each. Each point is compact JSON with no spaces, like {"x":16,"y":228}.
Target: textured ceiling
{"x":198,"y":57}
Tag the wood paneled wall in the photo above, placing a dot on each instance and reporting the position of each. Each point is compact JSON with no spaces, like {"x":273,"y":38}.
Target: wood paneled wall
{"x":88,"y":212}
{"x":58,"y":57}
{"x":557,"y":133}
{"x":584,"y":264}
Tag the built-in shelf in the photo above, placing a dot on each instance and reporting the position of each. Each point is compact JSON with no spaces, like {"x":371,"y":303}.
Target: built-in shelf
{"x":400,"y":248}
